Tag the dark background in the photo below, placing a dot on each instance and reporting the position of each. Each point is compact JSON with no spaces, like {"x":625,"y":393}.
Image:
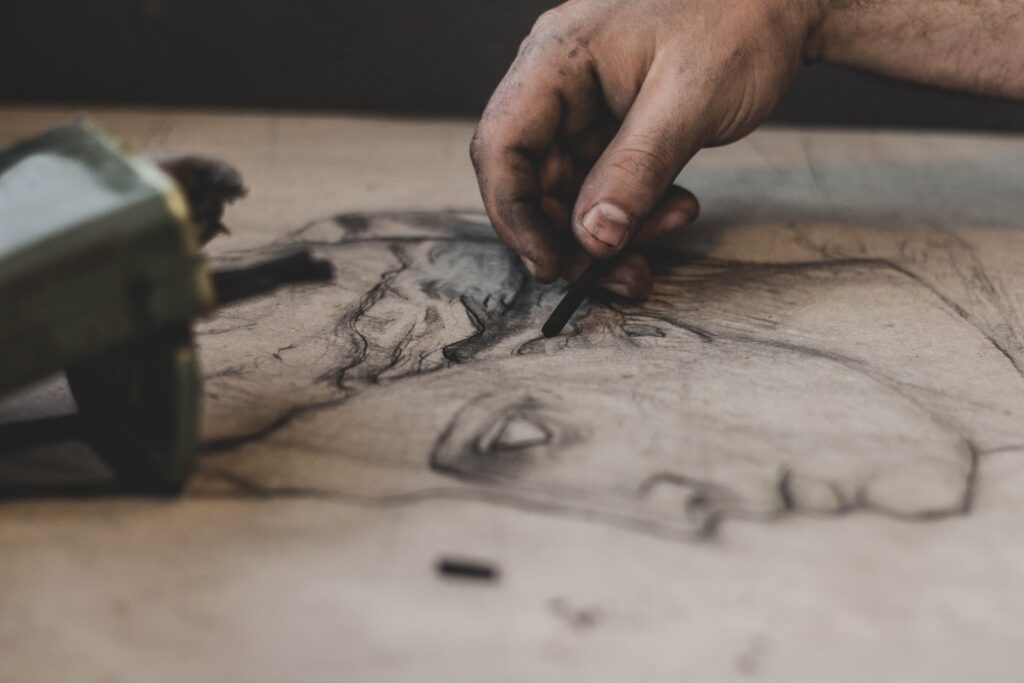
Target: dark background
{"x":436,"y":57}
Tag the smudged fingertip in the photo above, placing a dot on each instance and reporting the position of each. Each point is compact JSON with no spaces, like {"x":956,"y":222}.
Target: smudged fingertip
{"x":540,"y":270}
{"x":635,"y":286}
{"x":691,"y":207}
{"x":630,"y":278}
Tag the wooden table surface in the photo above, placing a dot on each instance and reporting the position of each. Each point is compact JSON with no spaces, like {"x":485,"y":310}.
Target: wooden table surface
{"x":854,"y":305}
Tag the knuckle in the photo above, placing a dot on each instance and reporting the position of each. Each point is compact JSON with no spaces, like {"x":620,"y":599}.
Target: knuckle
{"x":548,"y":30}
{"x":526,"y":46}
{"x":646,"y":165}
{"x":476,"y":150}
{"x":555,"y":32}
{"x":549,"y":20}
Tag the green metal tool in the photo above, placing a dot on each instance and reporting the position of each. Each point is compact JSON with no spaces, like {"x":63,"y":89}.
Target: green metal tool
{"x":101,"y":276}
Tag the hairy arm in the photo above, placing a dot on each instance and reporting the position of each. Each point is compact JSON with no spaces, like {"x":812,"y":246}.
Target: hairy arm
{"x":972,"y":45}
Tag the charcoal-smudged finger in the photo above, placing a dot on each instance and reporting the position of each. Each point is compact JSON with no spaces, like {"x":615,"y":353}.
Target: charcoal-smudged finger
{"x":677,"y":209}
{"x":516,"y":133}
{"x":655,"y":141}
{"x":631,"y":277}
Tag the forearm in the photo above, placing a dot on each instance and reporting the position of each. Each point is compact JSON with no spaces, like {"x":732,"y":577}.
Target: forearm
{"x":972,"y":45}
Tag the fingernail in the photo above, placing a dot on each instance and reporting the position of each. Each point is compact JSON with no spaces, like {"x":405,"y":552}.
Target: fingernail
{"x":530,"y":266}
{"x":607,"y":224}
{"x":673,"y":221}
{"x":620,"y":288}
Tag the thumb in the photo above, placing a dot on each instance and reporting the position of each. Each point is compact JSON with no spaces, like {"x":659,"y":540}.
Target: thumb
{"x":643,"y":160}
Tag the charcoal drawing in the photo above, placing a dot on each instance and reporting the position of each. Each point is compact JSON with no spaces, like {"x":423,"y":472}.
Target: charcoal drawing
{"x":863,"y":371}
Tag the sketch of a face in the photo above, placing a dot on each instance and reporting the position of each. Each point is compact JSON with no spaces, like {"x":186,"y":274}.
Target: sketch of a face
{"x":805,"y":384}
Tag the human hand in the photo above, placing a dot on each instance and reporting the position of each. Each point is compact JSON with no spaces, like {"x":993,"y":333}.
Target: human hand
{"x":578,"y":149}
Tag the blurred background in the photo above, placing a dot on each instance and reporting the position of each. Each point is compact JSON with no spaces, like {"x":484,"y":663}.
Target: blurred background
{"x":406,"y":57}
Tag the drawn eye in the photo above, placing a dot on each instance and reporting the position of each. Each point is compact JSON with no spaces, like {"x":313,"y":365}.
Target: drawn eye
{"x":513,"y":432}
{"x":497,"y":437}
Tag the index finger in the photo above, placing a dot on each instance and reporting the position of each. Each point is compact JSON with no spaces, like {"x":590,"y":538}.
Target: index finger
{"x":516,"y":131}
